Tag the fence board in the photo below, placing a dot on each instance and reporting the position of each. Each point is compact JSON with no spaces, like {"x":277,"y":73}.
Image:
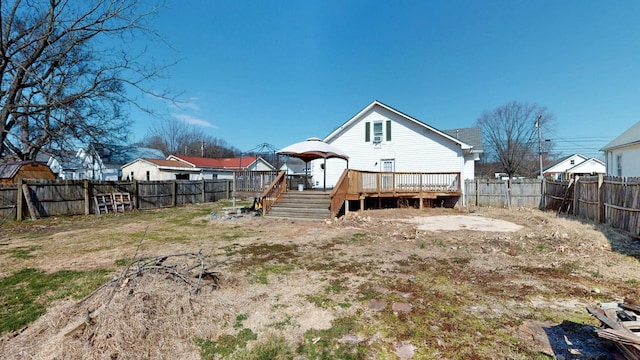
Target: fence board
{"x":496,"y":193}
{"x":8,"y":201}
{"x":68,"y":197}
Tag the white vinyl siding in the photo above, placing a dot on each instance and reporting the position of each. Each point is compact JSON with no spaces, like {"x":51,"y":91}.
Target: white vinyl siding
{"x":624,"y":161}
{"x":418,"y":149}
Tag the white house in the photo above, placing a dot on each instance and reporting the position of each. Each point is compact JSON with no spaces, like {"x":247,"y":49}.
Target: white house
{"x":178,"y":167}
{"x":159,"y":169}
{"x":572,"y":165}
{"x":96,"y":162}
{"x":380,"y":138}
{"x":223,"y":168}
{"x":622,"y":155}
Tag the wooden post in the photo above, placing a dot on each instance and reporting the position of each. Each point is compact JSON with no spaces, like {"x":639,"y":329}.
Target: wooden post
{"x":576,"y":194}
{"x":204,"y":185}
{"x":477,"y":182}
{"x":19,"y":203}
{"x":27,"y":197}
{"x":134,"y":190}
{"x":173,"y":193}
{"x":87,"y":200}
{"x":600,"y":196}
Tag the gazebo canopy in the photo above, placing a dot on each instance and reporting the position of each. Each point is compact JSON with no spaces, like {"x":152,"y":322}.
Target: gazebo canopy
{"x":311,"y":149}
{"x":314,"y":148}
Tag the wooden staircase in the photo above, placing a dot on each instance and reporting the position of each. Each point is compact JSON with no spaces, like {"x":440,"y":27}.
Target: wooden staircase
{"x":302,"y":205}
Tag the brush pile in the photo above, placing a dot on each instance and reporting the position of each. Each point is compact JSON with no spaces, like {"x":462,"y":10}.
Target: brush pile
{"x":153,"y":309}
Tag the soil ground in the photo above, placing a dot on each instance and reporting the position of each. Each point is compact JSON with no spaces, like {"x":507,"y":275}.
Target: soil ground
{"x":410,"y":284}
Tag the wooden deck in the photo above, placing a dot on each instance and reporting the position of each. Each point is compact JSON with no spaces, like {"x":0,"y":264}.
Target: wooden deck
{"x":355,"y":185}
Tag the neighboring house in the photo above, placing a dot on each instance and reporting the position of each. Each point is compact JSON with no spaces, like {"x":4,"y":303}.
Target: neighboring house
{"x":380,"y":138}
{"x":73,"y":165}
{"x":224,"y":168}
{"x":178,"y":167}
{"x":294,"y":166}
{"x":622,"y":155}
{"x":113,"y":157}
{"x":574,"y":165}
{"x":96,"y":162}
{"x":159,"y":169}
{"x":12,"y":172}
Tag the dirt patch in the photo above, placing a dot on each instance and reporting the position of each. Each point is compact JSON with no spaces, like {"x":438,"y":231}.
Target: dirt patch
{"x":472,"y":222}
{"x":389,"y":283}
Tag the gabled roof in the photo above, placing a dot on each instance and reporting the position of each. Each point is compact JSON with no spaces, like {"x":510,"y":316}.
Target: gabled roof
{"x":562,"y":160}
{"x":471,"y":136}
{"x":590,"y":161}
{"x":164,"y":164}
{"x":336,"y":132}
{"x":629,"y":137}
{"x":227,"y":163}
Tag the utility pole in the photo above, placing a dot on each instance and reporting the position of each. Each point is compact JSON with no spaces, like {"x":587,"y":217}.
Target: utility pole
{"x":539,"y":141}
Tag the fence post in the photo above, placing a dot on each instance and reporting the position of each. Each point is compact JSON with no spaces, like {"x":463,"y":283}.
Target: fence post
{"x":477,"y":184}
{"x":543,"y":193}
{"x":87,"y":201}
{"x":600,"y":195}
{"x":173,"y":193}
{"x":576,"y":195}
{"x":134,"y":190}
{"x":19,"y":203}
{"x":204,"y":184}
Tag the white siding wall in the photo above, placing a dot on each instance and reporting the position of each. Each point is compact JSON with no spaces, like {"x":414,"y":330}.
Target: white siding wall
{"x":412,"y":147}
{"x":630,"y":161}
{"x":259,"y":166}
{"x":140,"y":169}
{"x":588,"y":167}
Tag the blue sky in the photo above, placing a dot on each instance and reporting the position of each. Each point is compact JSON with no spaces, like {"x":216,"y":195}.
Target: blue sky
{"x":278,"y":72}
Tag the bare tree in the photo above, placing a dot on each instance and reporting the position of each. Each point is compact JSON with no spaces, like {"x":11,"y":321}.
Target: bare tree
{"x":510,"y":135}
{"x":65,"y":74}
{"x":171,"y":136}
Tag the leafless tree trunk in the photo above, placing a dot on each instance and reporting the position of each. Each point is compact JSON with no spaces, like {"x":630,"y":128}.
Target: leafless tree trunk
{"x":510,"y":135}
{"x":66,"y":72}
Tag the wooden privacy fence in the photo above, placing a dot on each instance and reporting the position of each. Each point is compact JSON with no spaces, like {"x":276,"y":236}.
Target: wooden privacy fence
{"x":608,"y":199}
{"x":76,"y":197}
{"x":497,"y":193}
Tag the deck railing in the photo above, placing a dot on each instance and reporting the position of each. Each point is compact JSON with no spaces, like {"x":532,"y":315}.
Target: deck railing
{"x":253,"y":181}
{"x":403,"y":182}
{"x":339,"y":193}
{"x":274,"y":192}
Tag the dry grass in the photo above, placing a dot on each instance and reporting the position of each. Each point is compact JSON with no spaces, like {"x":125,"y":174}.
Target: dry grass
{"x":367,"y":286}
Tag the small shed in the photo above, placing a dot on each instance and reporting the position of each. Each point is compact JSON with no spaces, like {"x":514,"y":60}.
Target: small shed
{"x":12,"y":172}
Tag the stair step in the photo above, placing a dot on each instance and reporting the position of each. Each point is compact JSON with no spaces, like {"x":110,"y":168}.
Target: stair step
{"x":302,"y":205}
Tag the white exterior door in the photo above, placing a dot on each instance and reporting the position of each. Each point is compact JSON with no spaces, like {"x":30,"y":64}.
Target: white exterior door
{"x":388,"y":166}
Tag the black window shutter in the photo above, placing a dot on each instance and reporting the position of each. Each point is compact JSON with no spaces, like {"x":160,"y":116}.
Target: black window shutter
{"x":388,"y":130}
{"x":367,"y":132}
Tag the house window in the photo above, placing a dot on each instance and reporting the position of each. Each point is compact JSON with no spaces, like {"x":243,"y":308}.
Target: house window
{"x":131,"y":176}
{"x":619,"y":165}
{"x":182,"y":176}
{"x":148,"y":176}
{"x":377,"y":132}
{"x":572,"y":162}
